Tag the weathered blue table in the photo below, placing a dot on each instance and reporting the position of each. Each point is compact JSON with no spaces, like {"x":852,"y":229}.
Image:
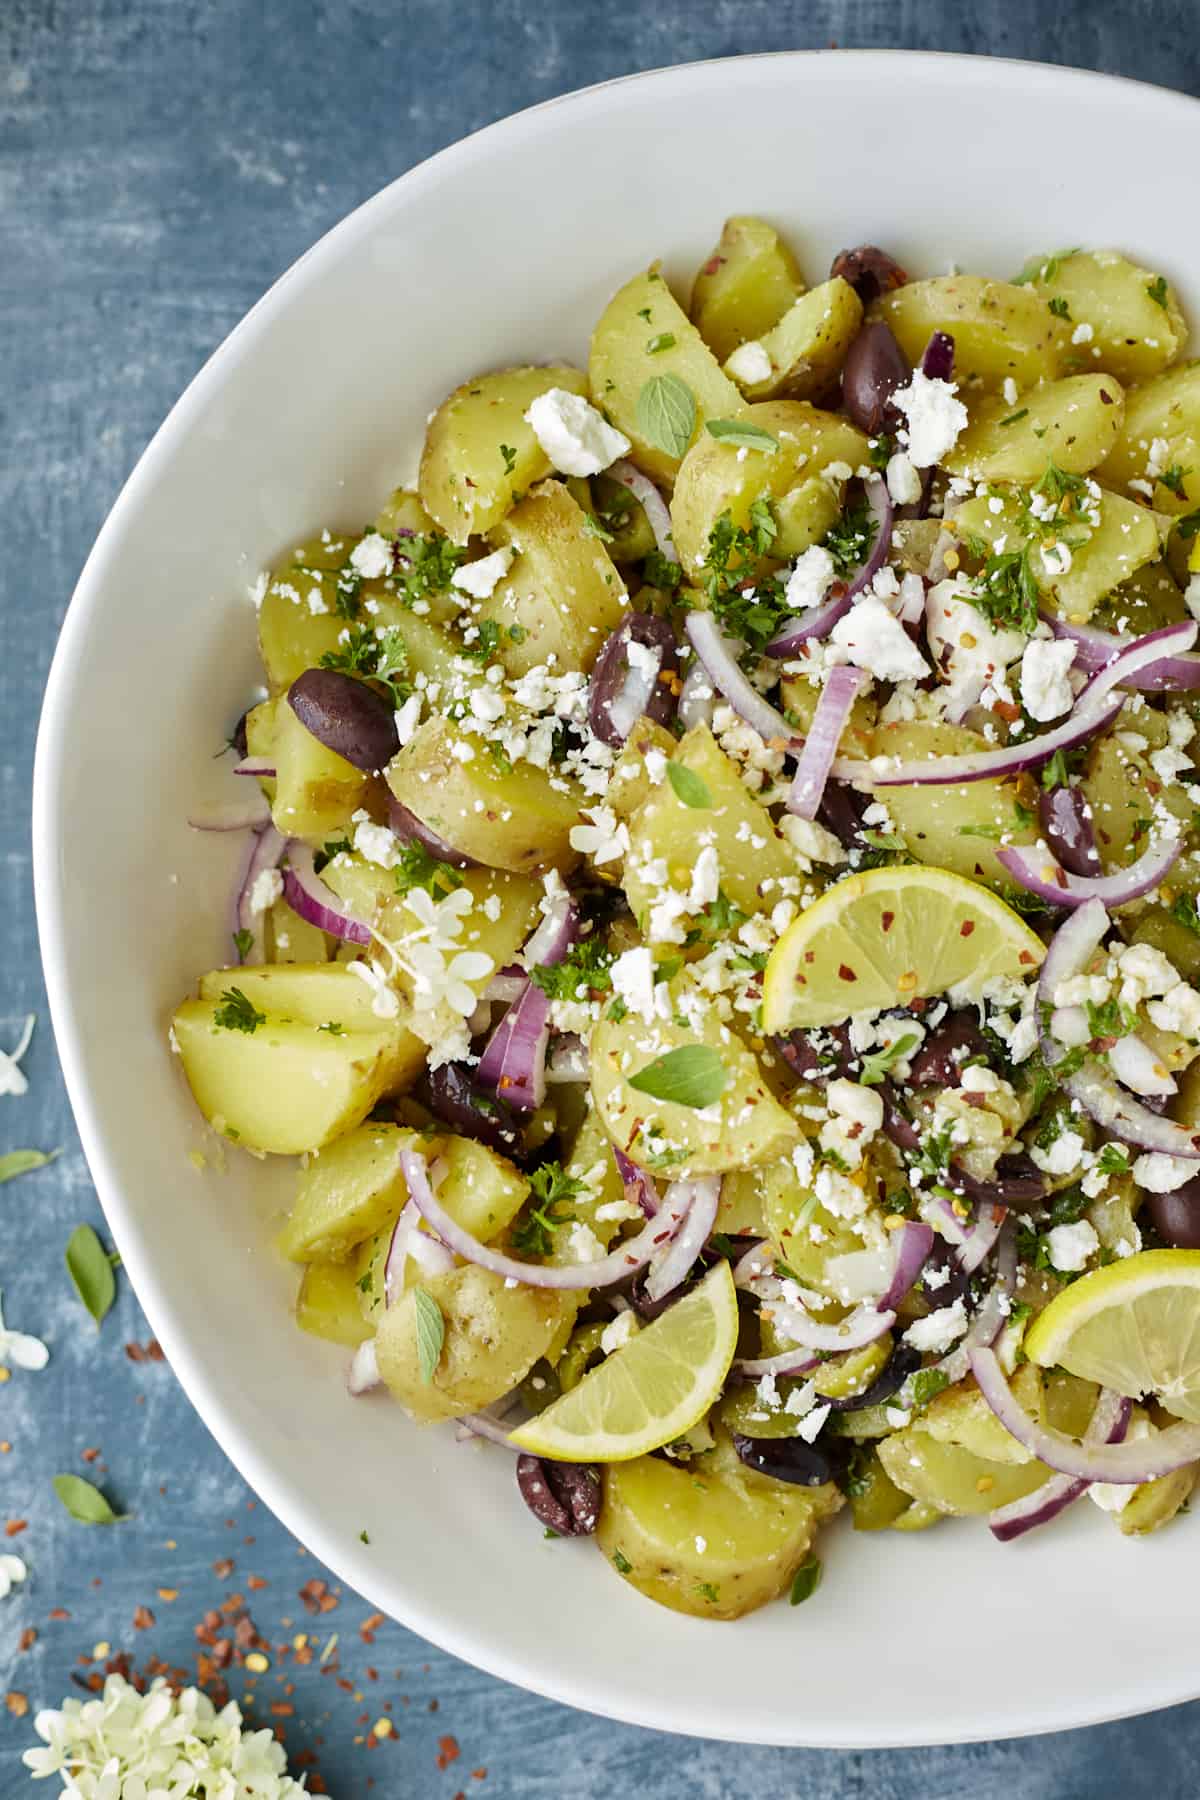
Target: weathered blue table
{"x":161,"y":161}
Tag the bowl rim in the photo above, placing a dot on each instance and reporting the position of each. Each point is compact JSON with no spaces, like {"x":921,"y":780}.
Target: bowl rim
{"x":52,"y":748}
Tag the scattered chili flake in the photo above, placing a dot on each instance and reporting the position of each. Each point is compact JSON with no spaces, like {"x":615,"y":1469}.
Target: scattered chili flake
{"x":143,"y":1618}
{"x":448,"y":1751}
{"x":479,"y":1774}
{"x":168,"y":1594}
{"x":27,"y":1639}
{"x":846,"y":973}
{"x":313,"y":1594}
{"x":90,"y":1455}
{"x":58,"y":1612}
{"x":17,"y":1704}
{"x":370,"y":1626}
{"x":14,"y":1527}
{"x":282,"y":1709}
{"x":223,"y":1568}
{"x":255,"y":1582}
{"x":966,"y":928}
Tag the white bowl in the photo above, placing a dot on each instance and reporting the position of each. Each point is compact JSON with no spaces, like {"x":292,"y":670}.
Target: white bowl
{"x":504,"y":249}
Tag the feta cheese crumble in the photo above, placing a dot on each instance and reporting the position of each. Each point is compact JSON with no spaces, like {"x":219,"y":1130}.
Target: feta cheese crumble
{"x":935,"y":418}
{"x":576,"y":437}
{"x":480,"y":579}
{"x":876,"y":641}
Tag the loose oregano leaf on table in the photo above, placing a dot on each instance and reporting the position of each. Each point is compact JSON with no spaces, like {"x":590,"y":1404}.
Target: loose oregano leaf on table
{"x":693,"y":1075}
{"x":688,"y":787}
{"x":90,"y":1268}
{"x":666,"y":413}
{"x":20,"y":1162}
{"x":431,"y":1332}
{"x":85,"y":1502}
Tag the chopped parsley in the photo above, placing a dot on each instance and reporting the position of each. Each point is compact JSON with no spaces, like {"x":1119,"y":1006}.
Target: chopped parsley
{"x":417,"y":868}
{"x":1111,"y":1020}
{"x":746,"y":608}
{"x":483,"y":649}
{"x":621,"y":1564}
{"x":237,"y":1013}
{"x":426,"y":564}
{"x":1173,"y":479}
{"x":327,"y":852}
{"x":552,"y":1189}
{"x":1058,"y":306}
{"x":1157,"y":290}
{"x":924,"y":1386}
{"x":1113,"y":1160}
{"x":1006,"y":590}
{"x":1184,"y":912}
{"x":661,"y":572}
{"x":806,"y":1580}
{"x":849,"y":541}
{"x":333,"y":1028}
{"x":1013,"y":418}
{"x":708,"y":1590}
{"x":243,"y":943}
{"x":510,"y":458}
{"x":876,"y":1064}
{"x":663,"y":340}
{"x":585,"y":967}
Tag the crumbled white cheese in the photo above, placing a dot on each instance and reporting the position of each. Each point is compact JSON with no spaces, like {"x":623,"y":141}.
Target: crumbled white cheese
{"x":1136,"y":1064}
{"x":967,"y":649}
{"x":810,"y":579}
{"x":935,"y":418}
{"x":876,"y":641}
{"x":1162,"y":1174}
{"x":939,"y":1330}
{"x":903,"y":480}
{"x":408,"y":717}
{"x":375,"y":842}
{"x":575,"y":436}
{"x":1070,"y":1246}
{"x":480,"y":579}
{"x":749,"y":364}
{"x":1045,"y":689}
{"x":619,"y":1331}
{"x":633,"y":980}
{"x":1063,"y":1156}
{"x":1178,"y":1010}
{"x":265,"y":890}
{"x":371,"y":557}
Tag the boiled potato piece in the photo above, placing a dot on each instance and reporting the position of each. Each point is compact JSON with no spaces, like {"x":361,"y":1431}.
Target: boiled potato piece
{"x":805,"y":349}
{"x":402,"y":511}
{"x":562,"y":595}
{"x":292,"y":939}
{"x":316,"y":790}
{"x":298,"y":620}
{"x":1127,"y":536}
{"x":954,"y":1479}
{"x":349,"y":1192}
{"x":630,"y":348}
{"x":285,"y":1088}
{"x":482,"y":1191}
{"x":960,"y":1415}
{"x":327,"y":1305}
{"x":523,"y":817}
{"x":747,"y":283}
{"x":875,"y":1500}
{"x":480,"y":454}
{"x":325,"y":995}
{"x":716,"y":477}
{"x":999,"y":330}
{"x":1136,"y":327}
{"x":1122,"y":789}
{"x":716,"y":1542}
{"x":493,"y":1336}
{"x":1150,"y":599}
{"x":1074,"y":423}
{"x":743,"y":1127}
{"x":1161,"y":432}
{"x":631,"y":784}
{"x":740,"y":1208}
{"x":808,"y":1236}
{"x":754,"y":858}
{"x":956,"y":828}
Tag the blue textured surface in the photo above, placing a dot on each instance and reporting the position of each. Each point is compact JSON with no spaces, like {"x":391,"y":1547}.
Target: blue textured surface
{"x":161,"y":161}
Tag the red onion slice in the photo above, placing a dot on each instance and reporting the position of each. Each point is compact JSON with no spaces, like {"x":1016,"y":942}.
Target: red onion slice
{"x":514,"y":1061}
{"x":409,"y":1240}
{"x":509,"y":984}
{"x":719,"y":657}
{"x":559,"y":929}
{"x":1068,"y":954}
{"x":363,"y":1374}
{"x":639,"y":1187}
{"x":983,"y":765}
{"x":1035,"y":869}
{"x":478,"y":1425}
{"x":406,"y":825}
{"x":625,"y":1260}
{"x":1142,"y":654}
{"x":265,"y":853}
{"x":307,"y":895}
{"x":911,"y":1244}
{"x":1108,"y":1424}
{"x":978,"y":1242}
{"x":1096,"y":648}
{"x":787,"y":1362}
{"x":700,"y":1199}
{"x":244,"y":813}
{"x":819,"y":621}
{"x":1125,"y":1465}
{"x":697,"y":697}
{"x":650,"y":501}
{"x":841,"y":689}
{"x":757,"y":1261}
{"x":1126,"y":1118}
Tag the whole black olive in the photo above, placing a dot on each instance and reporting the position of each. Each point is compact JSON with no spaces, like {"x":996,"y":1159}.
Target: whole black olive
{"x":783,"y":1459}
{"x":563,"y":1496}
{"x":1176,"y":1216}
{"x":869,"y":271}
{"x":875,"y":367}
{"x":347,"y":716}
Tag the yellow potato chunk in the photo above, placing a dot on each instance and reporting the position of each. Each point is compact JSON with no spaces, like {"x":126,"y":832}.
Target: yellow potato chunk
{"x":747,"y":283}
{"x":349,"y":1192}
{"x":1075,"y":423}
{"x":805,"y":350}
{"x":480,"y":454}
{"x":562,"y":595}
{"x":1123,"y":318}
{"x":999,"y":330}
{"x":327,"y":1305}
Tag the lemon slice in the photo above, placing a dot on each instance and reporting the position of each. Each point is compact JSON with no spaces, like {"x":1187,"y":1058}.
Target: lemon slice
{"x":887,"y":937}
{"x":1134,"y":1327}
{"x":651,"y":1390}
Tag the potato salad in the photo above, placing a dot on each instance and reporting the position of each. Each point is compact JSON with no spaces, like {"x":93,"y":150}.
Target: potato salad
{"x":718,"y":924}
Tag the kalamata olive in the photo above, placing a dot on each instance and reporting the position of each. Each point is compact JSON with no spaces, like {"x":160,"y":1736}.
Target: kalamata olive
{"x":939,"y":1061}
{"x":347,"y":716}
{"x":783,"y":1459}
{"x":943,"y":1268}
{"x":869,"y":271}
{"x":1176,"y":1217}
{"x":451,"y":1096}
{"x":1018,"y":1183}
{"x":563,"y":1496}
{"x":937,"y":358}
{"x":238,"y":739}
{"x":405,"y":823}
{"x":817,"y":1055}
{"x":841,"y":812}
{"x":629,"y":682}
{"x":896,"y":1123}
{"x":646,"y":1309}
{"x":875,"y":367}
{"x":1063,"y":816}
{"x":903,"y":1362}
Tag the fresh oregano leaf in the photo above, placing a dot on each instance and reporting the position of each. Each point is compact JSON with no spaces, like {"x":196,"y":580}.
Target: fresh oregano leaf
{"x":693,"y":1075}
{"x":85,"y":1502}
{"x":431,"y":1332}
{"x":806,"y":1580}
{"x":741,"y":433}
{"x":666,"y":413}
{"x":90,"y":1268}
{"x":689,"y":787}
{"x":20,"y":1162}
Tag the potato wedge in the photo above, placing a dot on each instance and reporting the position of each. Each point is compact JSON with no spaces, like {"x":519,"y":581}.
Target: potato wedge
{"x":630,"y":348}
{"x":562,"y":595}
{"x":327,"y":1305}
{"x":1131,"y":319}
{"x":999,"y":330}
{"x":480,"y":455}
{"x":747,"y":283}
{"x":805,"y":349}
{"x":1075,"y":423}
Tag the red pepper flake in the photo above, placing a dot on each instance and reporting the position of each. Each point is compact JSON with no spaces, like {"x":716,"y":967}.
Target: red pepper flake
{"x":887,"y":920}
{"x":479,"y":1774}
{"x":966,"y":928}
{"x":282,"y":1709}
{"x":150,"y":1351}
{"x":168,"y":1594}
{"x":370,"y":1626}
{"x":223,"y":1568}
{"x":58,"y":1612}
{"x":448,"y":1751}
{"x":15,"y":1527}
{"x":143,"y":1618}
{"x":316,"y":1597}
{"x":255,"y":1582}
{"x":846,"y":973}
{"x":17,"y":1704}
{"x":27,"y":1639}
{"x":1026,"y":956}
{"x":89,"y":1456}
